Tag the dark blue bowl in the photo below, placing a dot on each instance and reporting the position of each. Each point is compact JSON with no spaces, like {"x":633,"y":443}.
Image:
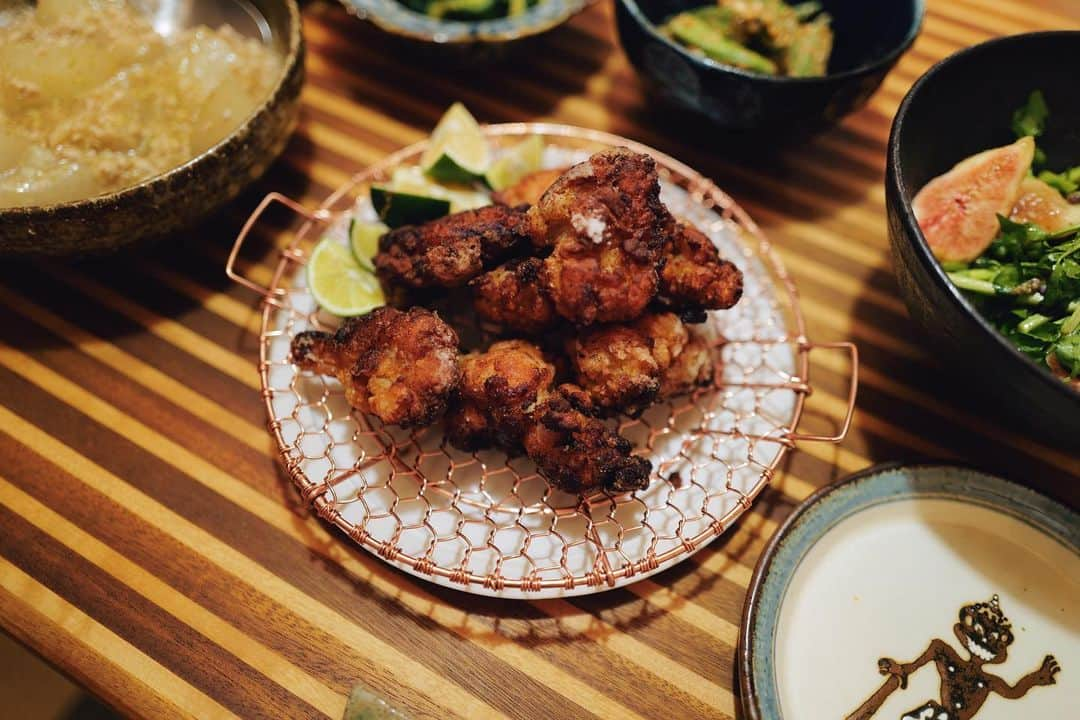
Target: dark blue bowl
{"x":961,"y":106}
{"x":869,"y":38}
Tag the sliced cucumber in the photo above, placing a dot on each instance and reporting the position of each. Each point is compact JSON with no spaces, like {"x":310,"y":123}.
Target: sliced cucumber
{"x":397,"y":208}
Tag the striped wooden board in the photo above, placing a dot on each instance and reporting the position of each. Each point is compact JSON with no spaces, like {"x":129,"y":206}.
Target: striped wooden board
{"x":151,"y":548}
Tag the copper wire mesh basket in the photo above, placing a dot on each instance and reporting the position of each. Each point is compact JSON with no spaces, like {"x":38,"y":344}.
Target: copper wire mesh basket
{"x":489,"y":523}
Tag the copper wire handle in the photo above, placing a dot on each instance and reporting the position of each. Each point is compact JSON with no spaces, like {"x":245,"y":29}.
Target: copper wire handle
{"x":311,"y":216}
{"x":853,"y":390}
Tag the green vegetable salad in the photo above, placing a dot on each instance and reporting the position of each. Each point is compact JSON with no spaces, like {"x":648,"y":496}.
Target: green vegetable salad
{"x":1027,"y":283}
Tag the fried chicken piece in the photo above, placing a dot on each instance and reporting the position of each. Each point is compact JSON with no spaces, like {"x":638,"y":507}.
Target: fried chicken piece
{"x":499,"y":389}
{"x":514,"y":296}
{"x":399,"y":366}
{"x":615,"y":365}
{"x":695,"y":277}
{"x":607,"y":229}
{"x":450,"y":251}
{"x":578,"y":452}
{"x":527,"y":190}
{"x":506,"y":398}
{"x":625,"y":368}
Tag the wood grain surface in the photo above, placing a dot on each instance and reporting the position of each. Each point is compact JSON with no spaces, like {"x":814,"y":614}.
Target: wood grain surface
{"x":152,"y":549}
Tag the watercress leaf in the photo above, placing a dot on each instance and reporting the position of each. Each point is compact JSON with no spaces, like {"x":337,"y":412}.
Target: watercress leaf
{"x":1063,"y":286}
{"x":1007,"y":278}
{"x":1017,"y":241}
{"x":1031,"y":118}
{"x":1067,"y":351}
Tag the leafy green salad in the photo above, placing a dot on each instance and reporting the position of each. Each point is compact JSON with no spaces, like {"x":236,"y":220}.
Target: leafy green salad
{"x":1027,"y":282}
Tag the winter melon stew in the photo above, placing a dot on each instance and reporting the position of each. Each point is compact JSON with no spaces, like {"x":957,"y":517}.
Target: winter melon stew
{"x":93,"y":100}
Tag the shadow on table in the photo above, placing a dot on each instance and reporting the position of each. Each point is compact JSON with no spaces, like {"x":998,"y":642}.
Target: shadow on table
{"x":919,"y":406}
{"x":145,"y":288}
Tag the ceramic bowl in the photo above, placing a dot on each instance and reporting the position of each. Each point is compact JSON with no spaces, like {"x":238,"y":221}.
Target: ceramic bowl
{"x":961,"y":106}
{"x":476,"y":38}
{"x":180,"y":197}
{"x":925,"y":565}
{"x":869,"y":39}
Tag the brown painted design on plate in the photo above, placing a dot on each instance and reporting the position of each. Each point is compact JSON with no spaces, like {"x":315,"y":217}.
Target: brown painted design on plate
{"x":985,"y":634}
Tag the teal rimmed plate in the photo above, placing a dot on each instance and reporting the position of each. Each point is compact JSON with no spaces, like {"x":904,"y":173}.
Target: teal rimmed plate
{"x":397,"y":19}
{"x":920,"y":592}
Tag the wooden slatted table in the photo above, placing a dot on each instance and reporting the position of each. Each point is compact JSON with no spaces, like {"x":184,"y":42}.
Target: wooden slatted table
{"x":132,"y":431}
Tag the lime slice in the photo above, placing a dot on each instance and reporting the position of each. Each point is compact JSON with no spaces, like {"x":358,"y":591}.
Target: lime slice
{"x":364,"y":241}
{"x":339,"y":284}
{"x":517,"y":162}
{"x":458,"y":150}
{"x":397,"y":208}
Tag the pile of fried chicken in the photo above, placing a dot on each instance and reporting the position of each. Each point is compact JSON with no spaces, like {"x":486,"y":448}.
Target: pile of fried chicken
{"x":594,"y":279}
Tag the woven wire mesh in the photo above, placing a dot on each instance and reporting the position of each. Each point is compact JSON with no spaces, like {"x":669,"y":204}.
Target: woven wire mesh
{"x":488,"y":522}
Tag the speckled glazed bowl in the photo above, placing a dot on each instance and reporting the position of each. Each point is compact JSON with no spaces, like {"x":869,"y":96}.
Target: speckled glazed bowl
{"x":477,"y":37}
{"x":180,"y":197}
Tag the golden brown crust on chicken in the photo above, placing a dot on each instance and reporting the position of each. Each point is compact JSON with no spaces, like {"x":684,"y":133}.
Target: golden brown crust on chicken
{"x":513,"y":296}
{"x":694,"y":275}
{"x":401,"y":367}
{"x":578,"y":452}
{"x":624,"y":368}
{"x":527,"y":190}
{"x":607,"y":229}
{"x":615,"y":365}
{"x":499,"y":389}
{"x":692,"y":368}
{"x":506,"y":398}
{"x":450,"y":251}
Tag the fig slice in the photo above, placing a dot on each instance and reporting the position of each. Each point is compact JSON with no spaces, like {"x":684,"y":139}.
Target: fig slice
{"x":1044,"y":206}
{"x":958,"y":211}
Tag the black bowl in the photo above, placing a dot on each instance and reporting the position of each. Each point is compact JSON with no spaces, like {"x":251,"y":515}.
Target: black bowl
{"x":869,"y":38}
{"x":959,"y":107}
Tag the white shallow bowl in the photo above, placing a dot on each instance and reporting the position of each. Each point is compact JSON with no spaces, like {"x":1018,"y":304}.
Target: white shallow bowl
{"x":887,"y":561}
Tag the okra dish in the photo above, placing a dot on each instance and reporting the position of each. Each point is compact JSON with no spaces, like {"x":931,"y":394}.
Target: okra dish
{"x":764,"y":36}
{"x":1006,"y":228}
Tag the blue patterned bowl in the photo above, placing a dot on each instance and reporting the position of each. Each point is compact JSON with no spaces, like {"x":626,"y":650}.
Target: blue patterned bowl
{"x":395,"y":18}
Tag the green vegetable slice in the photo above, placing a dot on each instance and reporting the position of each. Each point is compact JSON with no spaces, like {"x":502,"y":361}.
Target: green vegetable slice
{"x":339,"y":284}
{"x":397,"y":208}
{"x":458,"y":150}
{"x":518,"y":161}
{"x":364,"y":241}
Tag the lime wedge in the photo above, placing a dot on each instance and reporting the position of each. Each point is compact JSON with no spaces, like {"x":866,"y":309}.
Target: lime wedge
{"x":339,"y":284}
{"x":397,"y":208}
{"x":458,"y":150}
{"x":364,"y":241}
{"x":517,"y":162}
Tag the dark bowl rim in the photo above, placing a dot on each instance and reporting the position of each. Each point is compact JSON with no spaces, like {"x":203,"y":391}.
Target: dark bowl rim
{"x":744,"y":655}
{"x":894,"y":177}
{"x":885,"y":60}
{"x":291,"y":57}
